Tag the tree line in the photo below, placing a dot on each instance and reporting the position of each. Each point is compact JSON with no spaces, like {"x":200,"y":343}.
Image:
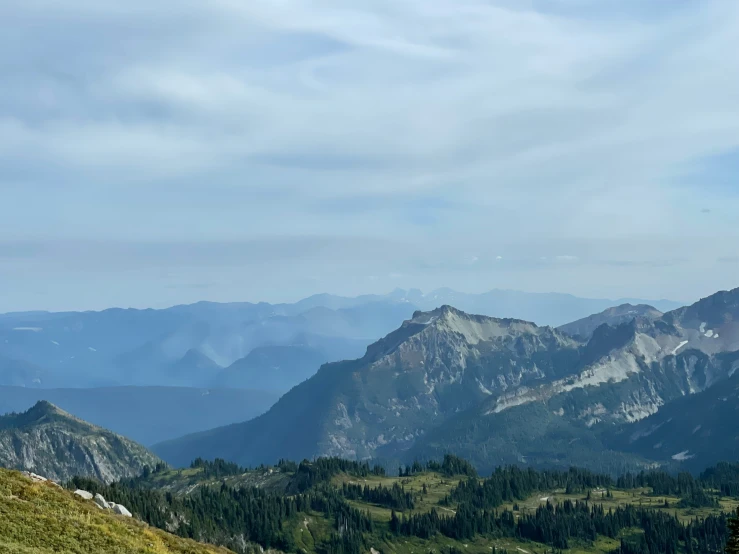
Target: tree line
{"x":240,"y":518}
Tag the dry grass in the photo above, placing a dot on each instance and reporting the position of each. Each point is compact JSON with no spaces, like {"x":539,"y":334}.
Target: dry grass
{"x":39,"y":518}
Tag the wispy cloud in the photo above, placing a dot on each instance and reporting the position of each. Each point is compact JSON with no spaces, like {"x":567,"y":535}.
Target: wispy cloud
{"x":447,"y":129}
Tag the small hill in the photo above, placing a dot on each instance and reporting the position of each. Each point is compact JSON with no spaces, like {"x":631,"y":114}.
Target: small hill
{"x":584,"y":328}
{"x":40,"y":518}
{"x":57,"y":445}
{"x":275,"y":368}
{"x":193,"y":368}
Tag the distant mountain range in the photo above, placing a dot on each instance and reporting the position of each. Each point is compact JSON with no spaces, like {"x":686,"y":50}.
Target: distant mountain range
{"x":49,"y":441}
{"x":258,"y":346}
{"x":493,"y":390}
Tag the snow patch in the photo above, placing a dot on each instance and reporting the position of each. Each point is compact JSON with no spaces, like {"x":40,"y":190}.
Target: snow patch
{"x":697,"y":429}
{"x":91,"y":349}
{"x":682,"y":456}
{"x":679,"y":346}
{"x":54,"y":342}
{"x":709,"y":333}
{"x":703,"y":327}
{"x":31,"y":329}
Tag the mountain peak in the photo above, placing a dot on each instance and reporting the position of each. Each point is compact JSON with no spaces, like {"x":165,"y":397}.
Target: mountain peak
{"x":44,"y":408}
{"x":424,"y":318}
{"x":41,"y":413}
{"x":58,"y":445}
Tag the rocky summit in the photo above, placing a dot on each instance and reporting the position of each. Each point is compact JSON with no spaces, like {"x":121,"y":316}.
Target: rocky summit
{"x":48,"y":441}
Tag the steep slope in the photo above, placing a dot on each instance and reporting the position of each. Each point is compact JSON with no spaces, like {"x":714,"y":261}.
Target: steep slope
{"x":147,"y":415}
{"x":693,"y":432}
{"x":627,"y":373}
{"x":53,"y":443}
{"x":40,"y":518}
{"x":584,"y":328}
{"x":435,"y":365}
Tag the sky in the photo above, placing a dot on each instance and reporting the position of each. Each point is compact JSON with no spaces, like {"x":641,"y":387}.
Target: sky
{"x":156,"y":153}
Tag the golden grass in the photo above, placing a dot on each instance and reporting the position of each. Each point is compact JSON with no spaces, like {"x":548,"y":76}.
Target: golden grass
{"x":40,"y":518}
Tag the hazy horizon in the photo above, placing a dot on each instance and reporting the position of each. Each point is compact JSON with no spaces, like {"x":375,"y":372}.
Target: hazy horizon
{"x":373,"y":293}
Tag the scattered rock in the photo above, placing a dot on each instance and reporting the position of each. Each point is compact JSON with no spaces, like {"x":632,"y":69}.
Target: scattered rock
{"x":83,"y":494}
{"x":35,"y":478}
{"x":100,"y":501}
{"x":121,"y":510}
{"x":110,"y":505}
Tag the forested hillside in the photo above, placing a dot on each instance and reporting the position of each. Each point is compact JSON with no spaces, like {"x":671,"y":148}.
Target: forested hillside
{"x":337,"y":506}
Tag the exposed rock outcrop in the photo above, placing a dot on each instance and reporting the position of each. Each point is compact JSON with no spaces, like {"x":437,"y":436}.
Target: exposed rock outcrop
{"x":51,"y":442}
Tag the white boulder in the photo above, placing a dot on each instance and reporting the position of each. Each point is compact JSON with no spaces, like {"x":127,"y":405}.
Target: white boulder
{"x":83,"y":494}
{"x":100,"y":501}
{"x":121,"y":510}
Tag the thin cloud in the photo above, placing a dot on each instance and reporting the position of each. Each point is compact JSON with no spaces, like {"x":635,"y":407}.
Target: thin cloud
{"x":427,"y":130}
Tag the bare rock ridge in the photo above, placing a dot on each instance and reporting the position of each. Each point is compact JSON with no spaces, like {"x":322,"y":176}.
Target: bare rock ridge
{"x":584,"y":328}
{"x":54,"y":443}
{"x":459,"y":380}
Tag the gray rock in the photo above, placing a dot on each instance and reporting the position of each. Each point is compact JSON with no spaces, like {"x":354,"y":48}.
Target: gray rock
{"x":83,"y":494}
{"x":110,"y":505}
{"x":34,"y":477}
{"x":121,"y":510}
{"x":100,"y":501}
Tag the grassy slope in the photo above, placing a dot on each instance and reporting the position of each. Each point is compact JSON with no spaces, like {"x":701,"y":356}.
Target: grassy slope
{"x":39,"y":518}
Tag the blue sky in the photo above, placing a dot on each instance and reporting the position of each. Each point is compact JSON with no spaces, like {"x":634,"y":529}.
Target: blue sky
{"x":153,"y":153}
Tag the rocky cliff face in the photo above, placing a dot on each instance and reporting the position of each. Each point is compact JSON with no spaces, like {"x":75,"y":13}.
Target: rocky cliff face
{"x":437,"y":364}
{"x":53,"y":443}
{"x":647,"y":364}
{"x":458,"y":380}
{"x":695,"y":431}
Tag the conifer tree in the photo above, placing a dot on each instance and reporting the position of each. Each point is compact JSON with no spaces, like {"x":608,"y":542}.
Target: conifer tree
{"x":732,"y":544}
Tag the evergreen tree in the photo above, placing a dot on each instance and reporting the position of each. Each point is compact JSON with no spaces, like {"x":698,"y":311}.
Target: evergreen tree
{"x":732,"y":544}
